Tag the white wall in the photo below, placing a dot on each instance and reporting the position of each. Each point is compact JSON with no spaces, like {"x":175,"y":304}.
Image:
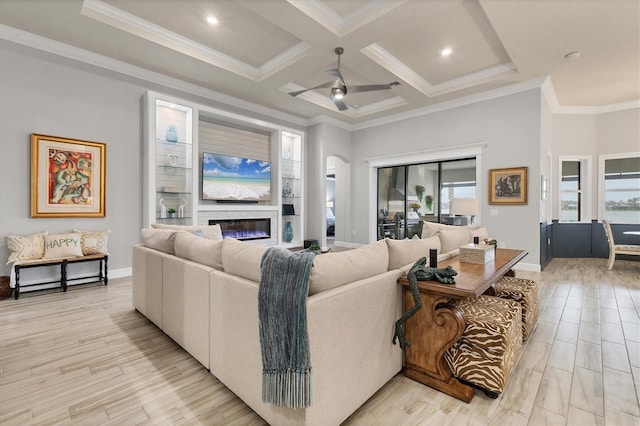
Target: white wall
{"x":510,"y":128}
{"x":324,"y":140}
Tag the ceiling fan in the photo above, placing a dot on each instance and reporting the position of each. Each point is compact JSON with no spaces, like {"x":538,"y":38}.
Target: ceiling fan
{"x":339,"y":87}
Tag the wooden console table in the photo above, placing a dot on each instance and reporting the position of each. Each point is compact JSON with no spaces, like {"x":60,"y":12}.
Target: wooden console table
{"x":437,"y":325}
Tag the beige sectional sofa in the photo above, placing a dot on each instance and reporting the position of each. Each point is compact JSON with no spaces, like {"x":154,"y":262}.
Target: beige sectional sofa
{"x":203,"y":293}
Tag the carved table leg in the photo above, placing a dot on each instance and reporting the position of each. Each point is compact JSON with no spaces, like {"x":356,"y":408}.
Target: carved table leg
{"x":431,"y":331}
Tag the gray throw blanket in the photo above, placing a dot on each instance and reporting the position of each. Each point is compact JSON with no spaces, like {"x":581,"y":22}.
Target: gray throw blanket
{"x":284,"y":341}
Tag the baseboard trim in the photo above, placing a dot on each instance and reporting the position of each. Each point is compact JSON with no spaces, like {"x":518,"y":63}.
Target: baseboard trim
{"x":530,"y":267}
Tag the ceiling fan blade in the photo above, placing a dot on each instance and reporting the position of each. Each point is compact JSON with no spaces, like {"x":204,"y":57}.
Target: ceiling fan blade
{"x":337,"y":73}
{"x":372,"y":87}
{"x":341,"y":106}
{"x":297,"y":92}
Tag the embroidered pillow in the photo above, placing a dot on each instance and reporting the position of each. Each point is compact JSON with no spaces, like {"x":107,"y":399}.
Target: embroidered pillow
{"x":93,"y":242}
{"x":62,"y":245}
{"x":25,"y":247}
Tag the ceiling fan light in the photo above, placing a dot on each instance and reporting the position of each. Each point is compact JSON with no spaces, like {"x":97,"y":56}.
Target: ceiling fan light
{"x":337,"y":93}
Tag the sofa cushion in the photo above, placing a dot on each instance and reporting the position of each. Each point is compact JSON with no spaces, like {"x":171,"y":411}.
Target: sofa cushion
{"x":62,"y":245}
{"x":93,"y":242}
{"x":25,"y":247}
{"x":335,"y":269}
{"x":213,"y":232}
{"x":404,"y":252}
{"x":452,"y":239}
{"x":480,"y":232}
{"x":201,"y":250}
{"x":159,"y":239}
{"x":242,"y":259}
{"x":429,"y":229}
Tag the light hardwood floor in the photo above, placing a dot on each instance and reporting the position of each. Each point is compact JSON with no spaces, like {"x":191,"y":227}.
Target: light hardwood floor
{"x":87,"y":357}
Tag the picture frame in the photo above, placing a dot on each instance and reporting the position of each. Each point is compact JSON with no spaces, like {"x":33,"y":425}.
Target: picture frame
{"x":508,"y":186}
{"x":67,"y":177}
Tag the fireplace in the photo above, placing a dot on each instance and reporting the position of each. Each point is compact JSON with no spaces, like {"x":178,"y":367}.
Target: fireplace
{"x":244,"y":229}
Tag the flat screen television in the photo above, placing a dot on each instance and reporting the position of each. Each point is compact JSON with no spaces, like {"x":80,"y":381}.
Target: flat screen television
{"x":226,"y":178}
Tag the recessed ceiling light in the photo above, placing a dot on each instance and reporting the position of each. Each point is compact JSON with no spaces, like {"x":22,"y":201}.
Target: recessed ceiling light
{"x":446,"y":51}
{"x":572,"y":55}
{"x":212,"y":20}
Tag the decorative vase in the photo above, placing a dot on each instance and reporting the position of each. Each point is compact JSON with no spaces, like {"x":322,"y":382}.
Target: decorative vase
{"x":288,"y":232}
{"x":172,"y":215}
{"x":183,"y":203}
{"x":172,"y":133}
{"x":163,"y":209}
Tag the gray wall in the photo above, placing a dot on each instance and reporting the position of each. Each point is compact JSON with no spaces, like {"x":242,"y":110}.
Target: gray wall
{"x":48,"y":94}
{"x":41,"y":95}
{"x":593,"y":135}
{"x":509,"y":126}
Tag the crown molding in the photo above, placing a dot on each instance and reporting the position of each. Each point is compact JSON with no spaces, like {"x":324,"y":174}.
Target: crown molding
{"x":341,"y":26}
{"x":61,"y":49}
{"x":550,"y":93}
{"x":323,"y":119}
{"x":382,"y":57}
{"x":132,"y":24}
{"x":454,"y":103}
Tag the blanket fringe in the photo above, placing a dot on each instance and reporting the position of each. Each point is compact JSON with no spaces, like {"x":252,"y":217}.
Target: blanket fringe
{"x":287,"y":388}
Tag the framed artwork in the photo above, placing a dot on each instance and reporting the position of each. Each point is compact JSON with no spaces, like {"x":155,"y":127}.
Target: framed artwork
{"x":67,"y":177}
{"x":508,"y":186}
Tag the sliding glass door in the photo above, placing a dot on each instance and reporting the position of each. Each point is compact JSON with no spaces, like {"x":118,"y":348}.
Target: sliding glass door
{"x":410,"y":194}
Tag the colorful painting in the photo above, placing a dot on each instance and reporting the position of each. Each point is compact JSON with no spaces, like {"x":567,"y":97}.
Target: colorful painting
{"x":67,"y":177}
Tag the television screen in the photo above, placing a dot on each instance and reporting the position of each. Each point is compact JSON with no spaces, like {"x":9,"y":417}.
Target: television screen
{"x":226,"y":178}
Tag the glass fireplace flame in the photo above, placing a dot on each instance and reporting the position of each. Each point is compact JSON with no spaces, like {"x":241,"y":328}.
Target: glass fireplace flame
{"x":244,"y":229}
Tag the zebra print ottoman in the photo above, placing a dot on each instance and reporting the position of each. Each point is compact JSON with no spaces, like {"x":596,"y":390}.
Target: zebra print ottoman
{"x":490,"y":345}
{"x":525,"y":292}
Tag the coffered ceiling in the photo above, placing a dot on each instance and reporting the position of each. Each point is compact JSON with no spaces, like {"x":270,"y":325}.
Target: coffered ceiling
{"x":262,"y":49}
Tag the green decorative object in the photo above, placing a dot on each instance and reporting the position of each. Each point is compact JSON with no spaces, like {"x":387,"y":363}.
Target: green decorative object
{"x":420,"y":272}
{"x":288,"y":232}
{"x":428,"y":201}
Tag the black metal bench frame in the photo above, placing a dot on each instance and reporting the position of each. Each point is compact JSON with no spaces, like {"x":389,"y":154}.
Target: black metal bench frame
{"x":102,"y":275}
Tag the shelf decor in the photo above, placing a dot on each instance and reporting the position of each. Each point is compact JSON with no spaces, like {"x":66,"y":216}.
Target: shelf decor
{"x":67,"y":177}
{"x":508,"y":186}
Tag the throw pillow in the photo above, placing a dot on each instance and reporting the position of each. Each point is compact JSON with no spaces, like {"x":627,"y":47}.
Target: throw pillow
{"x":159,"y":239}
{"x":454,"y":238}
{"x":242,"y":259}
{"x":93,"y":242}
{"x":198,"y":249}
{"x":407,"y":252}
{"x":335,"y":269}
{"x":62,"y":245}
{"x":429,"y":229}
{"x":25,"y":247}
{"x":213,"y":232}
{"x":480,"y":232}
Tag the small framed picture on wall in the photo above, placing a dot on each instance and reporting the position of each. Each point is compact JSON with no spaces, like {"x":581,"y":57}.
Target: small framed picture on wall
{"x":508,"y":186}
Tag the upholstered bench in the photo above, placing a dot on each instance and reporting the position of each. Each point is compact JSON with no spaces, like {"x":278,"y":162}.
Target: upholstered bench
{"x":525,"y":292}
{"x":488,"y":350}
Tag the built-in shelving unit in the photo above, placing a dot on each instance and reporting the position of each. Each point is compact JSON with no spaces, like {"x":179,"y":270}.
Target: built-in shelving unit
{"x":172,"y":167}
{"x":169,"y":162}
{"x":292,"y":189}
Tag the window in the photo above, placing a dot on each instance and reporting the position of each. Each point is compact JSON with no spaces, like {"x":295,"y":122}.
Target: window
{"x":620,"y":188}
{"x":574,"y":206}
